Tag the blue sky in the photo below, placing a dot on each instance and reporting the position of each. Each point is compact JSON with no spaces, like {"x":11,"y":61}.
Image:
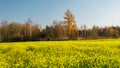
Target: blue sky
{"x":44,"y":12}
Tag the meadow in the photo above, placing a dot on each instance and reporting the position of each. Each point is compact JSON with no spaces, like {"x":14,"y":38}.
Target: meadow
{"x":104,"y":53}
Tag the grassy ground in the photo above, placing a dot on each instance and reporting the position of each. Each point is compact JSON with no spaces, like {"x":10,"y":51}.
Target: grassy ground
{"x":63,"y":54}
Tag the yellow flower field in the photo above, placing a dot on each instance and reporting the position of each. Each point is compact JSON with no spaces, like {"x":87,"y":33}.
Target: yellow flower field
{"x":61,"y":54}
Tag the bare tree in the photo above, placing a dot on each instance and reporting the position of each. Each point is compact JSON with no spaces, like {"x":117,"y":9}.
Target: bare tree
{"x":4,"y":31}
{"x":84,"y":31}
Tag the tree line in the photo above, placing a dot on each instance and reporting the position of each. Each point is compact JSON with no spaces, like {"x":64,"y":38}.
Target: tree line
{"x":59,"y":30}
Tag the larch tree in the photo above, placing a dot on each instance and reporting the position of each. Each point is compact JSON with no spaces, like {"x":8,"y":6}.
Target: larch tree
{"x":71,"y":25}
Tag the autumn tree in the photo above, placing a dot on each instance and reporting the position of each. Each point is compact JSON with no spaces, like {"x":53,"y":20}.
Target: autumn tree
{"x":35,"y":31}
{"x":27,"y":31}
{"x":61,"y":30}
{"x":4,"y":31}
{"x":95,"y":32}
{"x":15,"y":31}
{"x":71,"y":24}
{"x":111,"y":32}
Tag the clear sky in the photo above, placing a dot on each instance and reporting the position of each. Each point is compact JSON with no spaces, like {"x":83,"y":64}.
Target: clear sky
{"x":44,"y":12}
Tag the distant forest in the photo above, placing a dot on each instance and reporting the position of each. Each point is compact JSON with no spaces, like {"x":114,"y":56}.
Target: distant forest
{"x":59,"y":30}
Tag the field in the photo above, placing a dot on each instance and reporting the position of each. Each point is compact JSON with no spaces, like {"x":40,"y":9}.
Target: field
{"x":61,"y":54}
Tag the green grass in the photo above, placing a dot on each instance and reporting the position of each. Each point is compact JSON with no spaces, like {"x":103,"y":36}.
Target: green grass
{"x":61,"y":54}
